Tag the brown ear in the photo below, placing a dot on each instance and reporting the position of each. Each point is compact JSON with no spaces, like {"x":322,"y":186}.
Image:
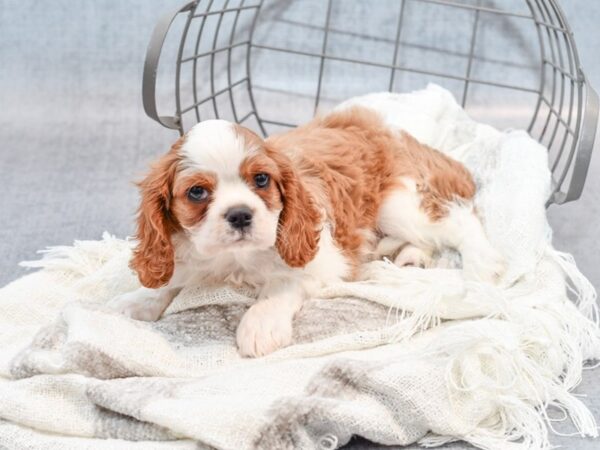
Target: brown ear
{"x":298,"y":231}
{"x":154,"y":257}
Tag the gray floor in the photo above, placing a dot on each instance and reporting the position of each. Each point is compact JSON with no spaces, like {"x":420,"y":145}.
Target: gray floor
{"x":73,"y":134}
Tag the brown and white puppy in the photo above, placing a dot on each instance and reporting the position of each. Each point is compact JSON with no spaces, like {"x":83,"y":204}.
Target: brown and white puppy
{"x":292,"y":213}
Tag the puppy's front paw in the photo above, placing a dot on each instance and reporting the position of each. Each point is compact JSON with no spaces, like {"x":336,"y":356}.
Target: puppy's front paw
{"x":263,"y":329}
{"x":137,"y":305}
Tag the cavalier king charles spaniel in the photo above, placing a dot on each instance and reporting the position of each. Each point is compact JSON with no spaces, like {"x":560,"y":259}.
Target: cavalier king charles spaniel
{"x":290,"y":214}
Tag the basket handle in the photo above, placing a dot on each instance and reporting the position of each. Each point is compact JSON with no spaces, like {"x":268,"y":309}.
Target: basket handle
{"x":585,"y":146}
{"x":151,"y":66}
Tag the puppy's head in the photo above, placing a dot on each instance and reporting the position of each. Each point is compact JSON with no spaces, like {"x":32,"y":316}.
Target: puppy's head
{"x":226,"y":190}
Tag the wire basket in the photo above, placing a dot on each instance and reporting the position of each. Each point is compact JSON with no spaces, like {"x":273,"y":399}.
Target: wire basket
{"x":272,"y":64}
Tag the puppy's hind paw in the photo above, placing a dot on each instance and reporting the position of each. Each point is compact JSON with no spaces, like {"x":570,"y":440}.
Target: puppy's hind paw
{"x":413,"y":256}
{"x":487,"y":267}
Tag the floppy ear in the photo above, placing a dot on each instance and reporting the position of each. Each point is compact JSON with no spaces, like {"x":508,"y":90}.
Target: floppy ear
{"x":154,"y":257}
{"x":298,"y":231}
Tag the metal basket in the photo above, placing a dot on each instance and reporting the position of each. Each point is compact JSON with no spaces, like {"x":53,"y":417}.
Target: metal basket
{"x":273,"y":64}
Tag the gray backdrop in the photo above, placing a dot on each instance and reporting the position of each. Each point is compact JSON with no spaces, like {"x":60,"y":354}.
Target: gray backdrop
{"x":73,"y":134}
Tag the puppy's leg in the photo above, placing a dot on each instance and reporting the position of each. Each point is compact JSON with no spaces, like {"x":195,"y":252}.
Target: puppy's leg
{"x":462,"y":230}
{"x":402,"y":216}
{"x":267,"y":325}
{"x":388,"y":246}
{"x":144,"y":303}
{"x":414,"y":256}
{"x":406,"y":254}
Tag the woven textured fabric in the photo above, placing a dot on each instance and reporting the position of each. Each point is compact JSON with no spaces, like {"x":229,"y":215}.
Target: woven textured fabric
{"x":404,"y":355}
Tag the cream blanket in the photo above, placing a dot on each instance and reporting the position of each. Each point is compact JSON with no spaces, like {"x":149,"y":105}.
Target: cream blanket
{"x":407,"y":355}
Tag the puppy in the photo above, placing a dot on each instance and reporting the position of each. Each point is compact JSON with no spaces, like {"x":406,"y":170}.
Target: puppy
{"x":290,"y":214}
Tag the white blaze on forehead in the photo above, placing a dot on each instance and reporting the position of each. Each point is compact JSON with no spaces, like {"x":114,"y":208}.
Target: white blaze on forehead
{"x":214,"y":145}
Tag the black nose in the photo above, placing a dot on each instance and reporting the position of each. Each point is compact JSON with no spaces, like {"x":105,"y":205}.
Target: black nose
{"x":239,"y":217}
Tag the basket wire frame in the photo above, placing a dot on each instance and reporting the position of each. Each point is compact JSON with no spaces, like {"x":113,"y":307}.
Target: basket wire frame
{"x":564,"y":110}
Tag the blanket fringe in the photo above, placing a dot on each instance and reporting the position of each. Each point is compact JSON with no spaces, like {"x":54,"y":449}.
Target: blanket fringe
{"x":583,"y":292}
{"x":504,"y":374}
{"x":520,"y":374}
{"x":83,"y":257}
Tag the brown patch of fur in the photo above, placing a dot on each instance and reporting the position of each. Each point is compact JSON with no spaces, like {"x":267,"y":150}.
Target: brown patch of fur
{"x":251,"y":139}
{"x":261,"y":163}
{"x":153,"y":258}
{"x":440,"y":180}
{"x":298,"y":230}
{"x":346,"y":156}
{"x":189,"y":213}
{"x":350,"y":161}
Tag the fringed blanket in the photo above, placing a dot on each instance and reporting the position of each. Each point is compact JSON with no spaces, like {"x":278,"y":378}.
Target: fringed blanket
{"x":405,"y":355}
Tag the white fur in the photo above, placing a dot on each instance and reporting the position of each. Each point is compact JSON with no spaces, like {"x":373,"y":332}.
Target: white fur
{"x":329,"y":264}
{"x":214,"y":234}
{"x":259,"y":268}
{"x":214,"y":145}
{"x":267,"y":325}
{"x":402,"y":218}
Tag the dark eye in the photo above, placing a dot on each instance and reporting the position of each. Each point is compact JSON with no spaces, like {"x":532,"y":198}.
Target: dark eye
{"x":197,"y":194}
{"x":261,"y":180}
